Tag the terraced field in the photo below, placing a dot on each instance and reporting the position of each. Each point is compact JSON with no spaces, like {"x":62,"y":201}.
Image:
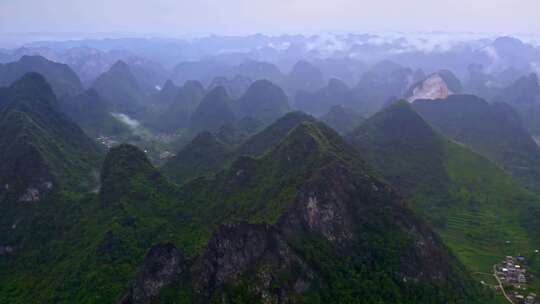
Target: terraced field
{"x":480,"y":239}
{"x":484,"y":215}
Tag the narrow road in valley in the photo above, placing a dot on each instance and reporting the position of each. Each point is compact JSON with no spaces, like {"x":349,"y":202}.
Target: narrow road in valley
{"x":501,"y":285}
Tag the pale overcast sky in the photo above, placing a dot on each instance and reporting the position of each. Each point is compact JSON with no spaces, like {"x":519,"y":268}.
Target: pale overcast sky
{"x":178,"y":17}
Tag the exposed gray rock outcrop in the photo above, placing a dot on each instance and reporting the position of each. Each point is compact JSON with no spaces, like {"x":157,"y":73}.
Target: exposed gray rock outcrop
{"x":236,"y":248}
{"x":162,"y":267}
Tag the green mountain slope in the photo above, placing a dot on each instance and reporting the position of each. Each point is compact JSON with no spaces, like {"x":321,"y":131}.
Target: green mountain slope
{"x":47,"y":164}
{"x":493,"y":130}
{"x":205,"y":155}
{"x":315,"y":191}
{"x":273,"y":134}
{"x":480,"y":212}
{"x":304,"y":223}
{"x":208,"y":152}
{"x":42,"y":148}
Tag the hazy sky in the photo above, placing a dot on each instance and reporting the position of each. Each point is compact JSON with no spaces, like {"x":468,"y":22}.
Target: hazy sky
{"x":178,"y":17}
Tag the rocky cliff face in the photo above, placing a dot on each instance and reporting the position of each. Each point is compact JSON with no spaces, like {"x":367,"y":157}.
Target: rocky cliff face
{"x":322,"y":208}
{"x":255,"y":254}
{"x":434,"y":87}
{"x":340,"y":207}
{"x":162,"y":267}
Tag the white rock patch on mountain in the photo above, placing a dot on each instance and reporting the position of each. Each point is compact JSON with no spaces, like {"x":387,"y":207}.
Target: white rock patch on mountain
{"x":434,"y":87}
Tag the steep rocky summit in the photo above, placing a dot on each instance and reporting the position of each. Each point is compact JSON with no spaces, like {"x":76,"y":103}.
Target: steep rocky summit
{"x":433,"y":87}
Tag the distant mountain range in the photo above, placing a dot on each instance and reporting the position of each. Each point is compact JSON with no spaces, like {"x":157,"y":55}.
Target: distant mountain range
{"x":524,"y":96}
{"x":62,"y":79}
{"x":302,"y":65}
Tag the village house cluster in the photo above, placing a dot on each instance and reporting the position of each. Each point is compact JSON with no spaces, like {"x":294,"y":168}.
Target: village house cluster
{"x":530,"y":299}
{"x":511,"y":272}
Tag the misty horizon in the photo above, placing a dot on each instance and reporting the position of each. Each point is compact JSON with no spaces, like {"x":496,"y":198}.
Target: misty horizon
{"x":166,"y":18}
